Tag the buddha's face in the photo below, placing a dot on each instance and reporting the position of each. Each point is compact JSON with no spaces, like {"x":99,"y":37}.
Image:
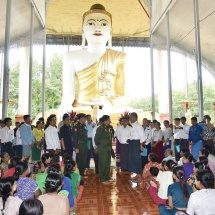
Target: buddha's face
{"x":97,"y":28}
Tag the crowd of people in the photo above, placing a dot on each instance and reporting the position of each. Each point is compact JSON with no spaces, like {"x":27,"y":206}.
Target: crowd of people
{"x":46,"y":163}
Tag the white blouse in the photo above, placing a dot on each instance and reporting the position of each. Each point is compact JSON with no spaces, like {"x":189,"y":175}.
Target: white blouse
{"x":157,"y":135}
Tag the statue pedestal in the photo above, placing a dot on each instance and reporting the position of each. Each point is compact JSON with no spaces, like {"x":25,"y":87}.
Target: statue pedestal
{"x":19,"y":118}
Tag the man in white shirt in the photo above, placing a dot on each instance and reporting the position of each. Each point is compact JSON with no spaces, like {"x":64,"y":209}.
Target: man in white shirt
{"x":90,"y":126}
{"x":135,"y":146}
{"x":181,"y":132}
{"x":168,"y":155}
{"x":52,"y":138}
{"x":147,"y":146}
{"x":6,"y":137}
{"x":167,"y":133}
{"x":123,"y":133}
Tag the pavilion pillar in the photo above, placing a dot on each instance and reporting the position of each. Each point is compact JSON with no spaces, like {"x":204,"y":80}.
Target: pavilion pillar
{"x":169,"y":66}
{"x":198,"y":59}
{"x":214,"y":111}
{"x":23,"y":84}
{"x":6,"y":61}
{"x":163,"y":99}
{"x":152,"y":78}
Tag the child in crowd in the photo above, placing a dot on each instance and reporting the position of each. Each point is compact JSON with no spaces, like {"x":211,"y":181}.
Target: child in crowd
{"x":188,"y":165}
{"x":164,"y":179}
{"x":182,"y":151}
{"x":75,"y":179}
{"x":152,"y":158}
{"x":5,"y":160}
{"x":40,"y":174}
{"x":151,"y":180}
{"x":46,"y":159}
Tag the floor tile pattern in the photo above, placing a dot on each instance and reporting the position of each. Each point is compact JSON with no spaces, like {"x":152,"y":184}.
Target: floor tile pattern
{"x":121,"y":197}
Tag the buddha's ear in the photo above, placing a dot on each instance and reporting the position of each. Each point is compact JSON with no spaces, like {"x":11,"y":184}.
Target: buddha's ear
{"x":83,"y":38}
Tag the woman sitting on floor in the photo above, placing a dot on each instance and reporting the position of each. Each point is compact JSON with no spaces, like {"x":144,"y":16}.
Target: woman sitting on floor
{"x":152,"y":158}
{"x":178,"y":194}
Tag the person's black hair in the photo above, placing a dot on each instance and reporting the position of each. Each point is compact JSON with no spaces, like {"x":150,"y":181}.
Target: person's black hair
{"x":177,"y":119}
{"x":6,"y":185}
{"x":68,"y":169}
{"x":134,"y":114}
{"x":166,"y":121}
{"x":154,"y":121}
{"x":7,"y":119}
{"x":13,"y":161}
{"x":31,"y":207}
{"x":53,"y":182}
{"x":44,"y":157}
{"x":3,"y":154}
{"x":105,"y":118}
{"x":49,"y":119}
{"x":38,"y":122}
{"x":206,"y":178}
{"x":65,"y":116}
{"x":200,"y":165}
{"x":55,"y":167}
{"x":100,"y":120}
{"x":184,"y":150}
{"x":204,"y":160}
{"x":183,"y":118}
{"x":154,"y":170}
{"x":37,"y":166}
{"x":67,"y":158}
{"x":170,"y":164}
{"x":26,"y":116}
{"x":17,"y":123}
{"x":179,"y":172}
{"x":163,"y":163}
{"x":207,"y":117}
{"x":88,"y":115}
{"x":159,"y":125}
{"x":20,"y":168}
{"x":81,"y":182}
{"x":189,"y":156}
{"x":153,"y":157}
{"x":204,"y":152}
{"x":41,"y":119}
{"x":194,"y":119}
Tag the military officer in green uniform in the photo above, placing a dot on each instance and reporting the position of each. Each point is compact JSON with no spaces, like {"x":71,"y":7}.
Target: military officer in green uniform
{"x":80,"y":142}
{"x":103,"y":140}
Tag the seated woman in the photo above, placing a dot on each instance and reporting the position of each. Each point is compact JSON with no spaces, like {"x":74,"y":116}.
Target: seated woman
{"x":31,"y":207}
{"x":152,"y":158}
{"x":202,"y":202}
{"x":66,"y":184}
{"x":5,"y":159}
{"x":69,"y":171}
{"x":53,"y":185}
{"x":39,"y":172}
{"x":27,"y":188}
{"x":188,"y":165}
{"x":12,"y":165}
{"x":46,"y":159}
{"x":9,"y":205}
{"x":192,"y":179}
{"x":178,"y":194}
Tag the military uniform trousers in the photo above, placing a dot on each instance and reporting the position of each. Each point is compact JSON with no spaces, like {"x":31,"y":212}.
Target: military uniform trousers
{"x":81,"y":157}
{"x":104,"y":153}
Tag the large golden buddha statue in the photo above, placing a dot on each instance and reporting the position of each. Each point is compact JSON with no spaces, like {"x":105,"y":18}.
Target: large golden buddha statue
{"x":99,"y":70}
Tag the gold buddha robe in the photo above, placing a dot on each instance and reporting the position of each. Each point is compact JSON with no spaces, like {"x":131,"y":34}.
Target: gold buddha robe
{"x":105,"y":79}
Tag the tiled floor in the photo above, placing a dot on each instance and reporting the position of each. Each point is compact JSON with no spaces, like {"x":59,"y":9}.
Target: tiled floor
{"x":119,"y":198}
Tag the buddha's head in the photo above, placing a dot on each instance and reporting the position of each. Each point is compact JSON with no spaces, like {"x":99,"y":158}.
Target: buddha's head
{"x":96,"y":26}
